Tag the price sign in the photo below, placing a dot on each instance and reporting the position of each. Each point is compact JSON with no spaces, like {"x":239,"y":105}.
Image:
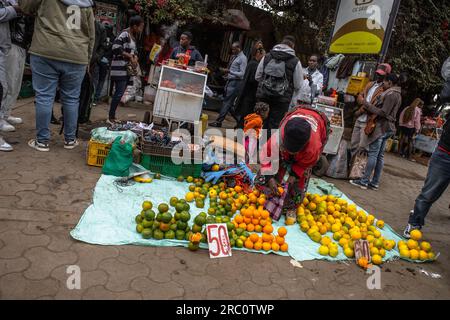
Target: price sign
{"x":362,"y":250}
{"x":218,"y":241}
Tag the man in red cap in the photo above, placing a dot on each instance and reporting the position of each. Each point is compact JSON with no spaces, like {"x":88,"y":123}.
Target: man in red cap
{"x":297,"y":147}
{"x":372,"y":91}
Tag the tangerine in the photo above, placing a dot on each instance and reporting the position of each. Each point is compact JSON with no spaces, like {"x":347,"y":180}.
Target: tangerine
{"x":268,"y":229}
{"x":282,"y":231}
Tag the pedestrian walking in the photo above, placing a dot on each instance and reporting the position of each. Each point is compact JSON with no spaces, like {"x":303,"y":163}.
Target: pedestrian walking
{"x":124,"y":63}
{"x":410,"y":125}
{"x":235,"y":75}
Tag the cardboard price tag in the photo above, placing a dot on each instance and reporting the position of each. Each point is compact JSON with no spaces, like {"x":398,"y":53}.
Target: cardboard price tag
{"x":362,"y":250}
{"x":218,"y":241}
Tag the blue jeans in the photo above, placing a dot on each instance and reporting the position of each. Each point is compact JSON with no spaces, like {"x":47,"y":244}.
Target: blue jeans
{"x":120,"y":88}
{"x":375,"y":161}
{"x":48,"y":74}
{"x":437,"y":182}
{"x":231,"y":93}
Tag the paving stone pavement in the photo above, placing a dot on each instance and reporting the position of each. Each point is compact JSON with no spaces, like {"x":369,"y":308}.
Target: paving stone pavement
{"x":43,"y":195}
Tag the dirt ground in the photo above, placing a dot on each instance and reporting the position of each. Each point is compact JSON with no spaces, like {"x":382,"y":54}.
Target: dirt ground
{"x":43,"y":195}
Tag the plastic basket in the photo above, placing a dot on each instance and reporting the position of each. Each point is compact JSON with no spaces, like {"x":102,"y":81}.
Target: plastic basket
{"x":151,"y":149}
{"x":165,"y":166}
{"x":97,"y":153}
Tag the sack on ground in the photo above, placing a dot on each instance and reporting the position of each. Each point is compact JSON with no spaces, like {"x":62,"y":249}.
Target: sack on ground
{"x":358,"y":165}
{"x":338,"y":168}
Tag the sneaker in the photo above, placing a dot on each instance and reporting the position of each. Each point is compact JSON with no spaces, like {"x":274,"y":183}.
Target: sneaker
{"x":373,"y":187}
{"x":6,"y":127}
{"x":358,"y":183}
{"x":216,"y":124}
{"x":14,"y":120}
{"x":39,"y":146}
{"x":71,"y":144}
{"x":409,"y":229}
{"x":4,"y":146}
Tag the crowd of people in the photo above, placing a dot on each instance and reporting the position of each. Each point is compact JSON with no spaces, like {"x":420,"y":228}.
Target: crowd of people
{"x":271,"y":90}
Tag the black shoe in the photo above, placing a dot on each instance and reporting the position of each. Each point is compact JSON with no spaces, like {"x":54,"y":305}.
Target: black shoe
{"x":373,"y":187}
{"x":216,"y":124}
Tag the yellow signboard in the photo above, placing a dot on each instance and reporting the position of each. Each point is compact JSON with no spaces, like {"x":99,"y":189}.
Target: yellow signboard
{"x":361,"y":26}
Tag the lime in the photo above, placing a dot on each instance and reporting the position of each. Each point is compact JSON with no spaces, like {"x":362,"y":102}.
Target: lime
{"x":196,"y":228}
{"x":163,"y":207}
{"x":147,"y":233}
{"x":169,"y":234}
{"x":239,"y":243}
{"x":193,"y":247}
{"x":230,"y":226}
{"x":185,"y":216}
{"x":156,"y":225}
{"x":179,"y":207}
{"x":177,"y":216}
{"x":239,"y":231}
{"x":180,"y":234}
{"x":180,"y":179}
{"x":150,"y":215}
{"x":147,"y":205}
{"x":173,"y":201}
{"x":138,"y":219}
{"x":158,"y":234}
{"x":173,"y":227}
{"x":139,"y":228}
{"x":147,"y":224}
{"x":159,"y":217}
{"x":166,"y":217}
{"x":157,"y":176}
{"x":200,"y":220}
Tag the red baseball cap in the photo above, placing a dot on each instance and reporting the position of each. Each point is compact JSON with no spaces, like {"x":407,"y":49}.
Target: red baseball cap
{"x":384,"y":69}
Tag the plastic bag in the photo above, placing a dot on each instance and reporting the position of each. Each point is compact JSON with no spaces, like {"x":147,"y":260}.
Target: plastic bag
{"x":338,"y":168}
{"x":119,"y":159}
{"x":358,"y":165}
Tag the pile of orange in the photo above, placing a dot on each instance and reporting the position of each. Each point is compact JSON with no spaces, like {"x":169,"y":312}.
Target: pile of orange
{"x":268,"y":241}
{"x":252,"y":219}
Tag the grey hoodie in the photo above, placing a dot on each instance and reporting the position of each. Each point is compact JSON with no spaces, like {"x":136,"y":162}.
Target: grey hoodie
{"x":298,"y":72}
{"x":7,"y":13}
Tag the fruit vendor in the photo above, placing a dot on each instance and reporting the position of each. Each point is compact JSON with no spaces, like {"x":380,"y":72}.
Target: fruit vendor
{"x":186,"y":48}
{"x":302,"y":136}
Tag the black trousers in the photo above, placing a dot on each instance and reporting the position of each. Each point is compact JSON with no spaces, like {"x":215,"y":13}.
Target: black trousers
{"x":278,"y":109}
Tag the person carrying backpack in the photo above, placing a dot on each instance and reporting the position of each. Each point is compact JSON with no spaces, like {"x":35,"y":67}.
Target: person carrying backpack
{"x":279,"y":74}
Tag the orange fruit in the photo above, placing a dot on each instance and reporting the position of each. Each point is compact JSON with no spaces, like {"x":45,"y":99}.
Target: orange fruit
{"x":279,"y":240}
{"x":282,"y":231}
{"x":256,"y":193}
{"x":252,"y":198}
{"x":248,"y":214}
{"x":284,"y":247}
{"x":257,"y":214}
{"x":248,"y":244}
{"x":243,"y":226}
{"x":239,"y":219}
{"x":236,"y":225}
{"x":254,"y":237}
{"x":267,"y":246}
{"x":255,"y":221}
{"x":250,"y":227}
{"x":265,"y":214}
{"x":238,"y":189}
{"x":258,"y":228}
{"x":243,"y":210}
{"x":258,"y":246}
{"x":267,"y":237}
{"x":275,"y":246}
{"x":263,"y":222}
{"x":280,"y":190}
{"x":261,"y":201}
{"x":268,"y":229}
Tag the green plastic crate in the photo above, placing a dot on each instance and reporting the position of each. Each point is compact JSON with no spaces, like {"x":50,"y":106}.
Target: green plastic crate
{"x":166,"y":167}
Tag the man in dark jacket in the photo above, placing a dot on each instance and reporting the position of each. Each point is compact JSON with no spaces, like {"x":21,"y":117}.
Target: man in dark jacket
{"x":437,"y":180}
{"x":246,"y":100}
{"x":283,"y":53}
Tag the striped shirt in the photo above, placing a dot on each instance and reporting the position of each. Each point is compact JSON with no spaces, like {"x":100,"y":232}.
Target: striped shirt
{"x":123,"y":43}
